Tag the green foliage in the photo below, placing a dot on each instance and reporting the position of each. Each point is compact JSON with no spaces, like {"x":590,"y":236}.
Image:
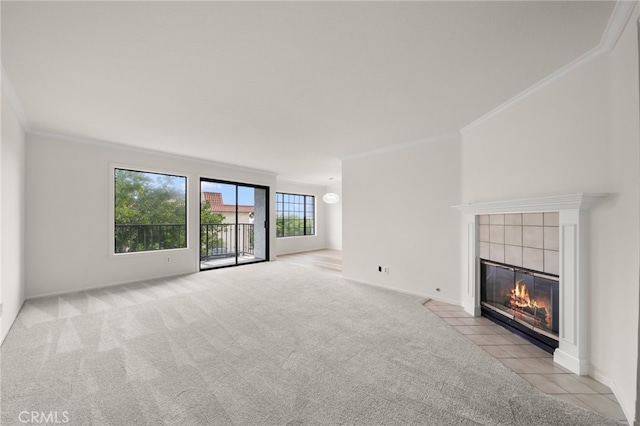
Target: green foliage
{"x":207,"y":216}
{"x":295,"y":215}
{"x":149,"y":198}
{"x":289,"y":226}
{"x":209,"y":229}
{"x":150,"y":211}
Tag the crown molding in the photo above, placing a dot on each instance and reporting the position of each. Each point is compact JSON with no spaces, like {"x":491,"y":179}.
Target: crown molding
{"x":551,"y":78}
{"x":11,"y":97}
{"x":621,"y":14}
{"x":617,"y":22}
{"x":301,"y":183}
{"x":113,"y":145}
{"x":403,"y":145}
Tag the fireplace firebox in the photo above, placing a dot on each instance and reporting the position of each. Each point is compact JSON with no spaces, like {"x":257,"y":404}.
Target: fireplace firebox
{"x":523,"y":300}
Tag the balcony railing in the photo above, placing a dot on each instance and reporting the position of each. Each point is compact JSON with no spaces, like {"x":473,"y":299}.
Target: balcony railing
{"x":219,"y":240}
{"x":216,"y":239}
{"x":133,"y":238}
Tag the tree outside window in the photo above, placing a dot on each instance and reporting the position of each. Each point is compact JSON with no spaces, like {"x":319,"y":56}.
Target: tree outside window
{"x":150,"y":211}
{"x":295,"y":215}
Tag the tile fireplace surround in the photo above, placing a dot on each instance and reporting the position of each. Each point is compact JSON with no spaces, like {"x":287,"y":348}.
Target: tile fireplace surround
{"x":572,"y":210}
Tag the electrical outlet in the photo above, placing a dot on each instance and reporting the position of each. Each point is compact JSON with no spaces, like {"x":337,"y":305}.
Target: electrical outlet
{"x":386,"y":270}
{"x":168,"y":259}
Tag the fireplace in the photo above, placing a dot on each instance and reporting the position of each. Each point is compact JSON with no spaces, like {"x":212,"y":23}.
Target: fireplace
{"x":573,"y":258}
{"x":523,"y":300}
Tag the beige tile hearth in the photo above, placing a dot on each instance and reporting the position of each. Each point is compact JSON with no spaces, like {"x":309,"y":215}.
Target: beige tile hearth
{"x":533,"y":364}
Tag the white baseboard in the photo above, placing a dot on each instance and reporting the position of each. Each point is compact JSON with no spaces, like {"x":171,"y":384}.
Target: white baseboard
{"x":470,"y":308}
{"x":105,"y":286}
{"x":12,"y":320}
{"x":403,"y":291}
{"x":571,"y":363}
{"x":628,"y":406}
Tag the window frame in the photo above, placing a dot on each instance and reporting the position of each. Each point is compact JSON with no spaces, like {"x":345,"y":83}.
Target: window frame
{"x":305,"y":203}
{"x":112,"y":204}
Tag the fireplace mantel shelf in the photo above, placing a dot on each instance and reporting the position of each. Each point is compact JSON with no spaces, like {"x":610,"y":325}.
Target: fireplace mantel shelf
{"x":533,"y":205}
{"x":572,"y":352}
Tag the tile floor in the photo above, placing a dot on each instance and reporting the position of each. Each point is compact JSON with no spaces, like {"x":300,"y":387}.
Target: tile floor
{"x":530,"y":362}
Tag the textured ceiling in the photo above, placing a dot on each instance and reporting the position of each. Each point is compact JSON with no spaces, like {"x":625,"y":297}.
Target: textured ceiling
{"x":289,"y":87}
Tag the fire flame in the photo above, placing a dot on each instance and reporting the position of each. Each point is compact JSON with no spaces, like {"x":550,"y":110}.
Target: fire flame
{"x":520,"y":299}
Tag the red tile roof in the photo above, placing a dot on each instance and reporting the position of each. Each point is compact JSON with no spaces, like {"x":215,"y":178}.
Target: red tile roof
{"x":218,"y":206}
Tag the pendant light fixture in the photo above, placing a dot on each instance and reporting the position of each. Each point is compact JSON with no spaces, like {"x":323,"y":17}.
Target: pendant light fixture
{"x":330,"y":197}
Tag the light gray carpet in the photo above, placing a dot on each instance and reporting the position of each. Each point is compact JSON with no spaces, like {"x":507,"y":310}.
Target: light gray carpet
{"x":265,"y":344}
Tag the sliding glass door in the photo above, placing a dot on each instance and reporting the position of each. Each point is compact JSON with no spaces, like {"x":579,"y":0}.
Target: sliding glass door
{"x":233,"y":223}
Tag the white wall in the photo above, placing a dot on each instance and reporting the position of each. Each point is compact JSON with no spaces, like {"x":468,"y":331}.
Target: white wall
{"x":287,"y":245}
{"x":579,"y":134}
{"x":69,"y":204}
{"x":624,"y":241}
{"x":397,"y":213}
{"x":12,"y":175}
{"x":334,"y":219}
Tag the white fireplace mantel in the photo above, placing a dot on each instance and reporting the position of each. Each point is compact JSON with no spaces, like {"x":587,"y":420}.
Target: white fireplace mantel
{"x":572,"y":352}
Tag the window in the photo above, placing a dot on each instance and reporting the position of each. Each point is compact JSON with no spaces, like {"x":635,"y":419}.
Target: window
{"x":150,"y":211}
{"x":295,"y":215}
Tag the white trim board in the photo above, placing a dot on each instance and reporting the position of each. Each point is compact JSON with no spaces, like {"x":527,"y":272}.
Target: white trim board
{"x":114,"y":145}
{"x":10,"y":94}
{"x":528,"y":205}
{"x":403,"y":145}
{"x":424,"y":296}
{"x":619,"y":17}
